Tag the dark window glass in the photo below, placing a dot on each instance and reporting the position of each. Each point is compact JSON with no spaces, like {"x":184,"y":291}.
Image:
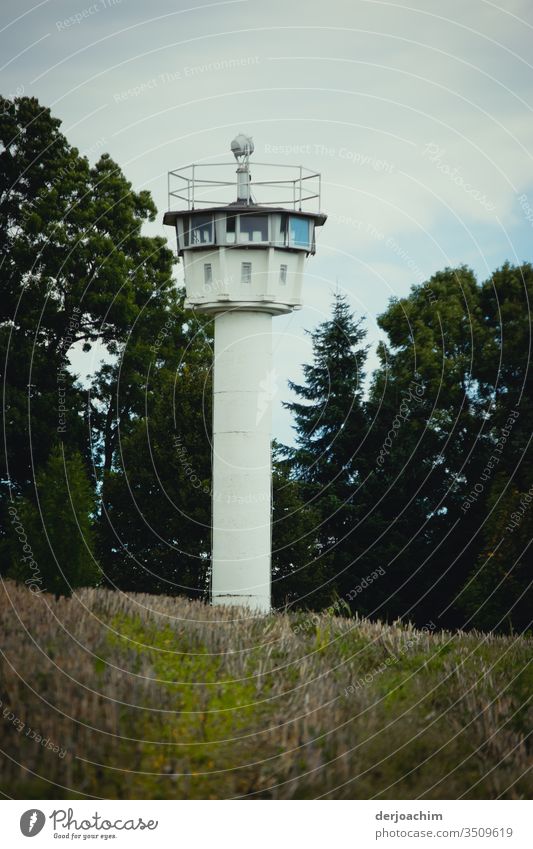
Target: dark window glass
{"x":201,"y":229}
{"x":253,"y":228}
{"x":230,"y":229}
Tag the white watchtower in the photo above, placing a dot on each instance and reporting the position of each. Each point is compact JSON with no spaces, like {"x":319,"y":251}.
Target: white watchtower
{"x":243,"y":263}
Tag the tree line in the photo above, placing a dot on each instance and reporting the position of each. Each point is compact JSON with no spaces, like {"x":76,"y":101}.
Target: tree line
{"x":408,"y":492}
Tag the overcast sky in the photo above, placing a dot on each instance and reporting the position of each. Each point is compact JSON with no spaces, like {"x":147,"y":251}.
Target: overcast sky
{"x":418,"y":115}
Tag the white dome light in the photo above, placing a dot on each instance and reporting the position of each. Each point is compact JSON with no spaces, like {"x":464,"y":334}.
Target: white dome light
{"x":242,"y":146}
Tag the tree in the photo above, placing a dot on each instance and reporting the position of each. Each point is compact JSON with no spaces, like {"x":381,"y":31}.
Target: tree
{"x":298,"y":571}
{"x":498,"y":592}
{"x":78,"y":271}
{"x":330,"y":424}
{"x":426,"y":438}
{"x":76,"y":268}
{"x":154,"y":527}
{"x":57,"y":529}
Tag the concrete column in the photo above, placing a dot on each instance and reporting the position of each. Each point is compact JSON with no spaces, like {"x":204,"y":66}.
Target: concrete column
{"x":243,"y":388}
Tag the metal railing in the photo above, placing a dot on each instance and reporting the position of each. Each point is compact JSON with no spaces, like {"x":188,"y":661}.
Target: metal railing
{"x":190,"y":186}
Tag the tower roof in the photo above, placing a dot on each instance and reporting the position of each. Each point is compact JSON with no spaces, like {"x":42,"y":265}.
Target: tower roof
{"x":171,"y":216}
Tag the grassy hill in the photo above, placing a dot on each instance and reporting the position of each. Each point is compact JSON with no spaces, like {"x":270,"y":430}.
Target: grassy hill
{"x":146,"y":696}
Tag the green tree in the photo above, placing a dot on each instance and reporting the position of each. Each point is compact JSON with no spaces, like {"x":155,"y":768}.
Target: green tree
{"x":58,"y":527}
{"x":331,"y":424}
{"x":498,"y":592}
{"x":427,"y":440}
{"x":298,"y":571}
{"x":154,"y":528}
{"x":76,"y":270}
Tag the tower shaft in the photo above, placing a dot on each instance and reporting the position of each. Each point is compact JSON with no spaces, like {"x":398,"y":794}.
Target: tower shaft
{"x":243,"y":388}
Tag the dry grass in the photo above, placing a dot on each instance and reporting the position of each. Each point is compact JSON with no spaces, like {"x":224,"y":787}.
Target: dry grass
{"x":156,"y":697}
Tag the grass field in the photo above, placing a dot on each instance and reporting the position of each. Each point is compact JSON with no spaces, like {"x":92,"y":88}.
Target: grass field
{"x":109,"y":696}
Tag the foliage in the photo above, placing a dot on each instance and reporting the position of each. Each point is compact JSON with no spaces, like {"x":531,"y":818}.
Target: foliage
{"x":298,"y":572}
{"x":154,"y":533}
{"x":420,"y":486}
{"x":330,"y":428}
{"x":58,"y":529}
{"x":77,"y":272}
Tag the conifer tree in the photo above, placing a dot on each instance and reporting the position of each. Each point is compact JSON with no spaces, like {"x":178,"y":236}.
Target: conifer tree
{"x":330,"y":424}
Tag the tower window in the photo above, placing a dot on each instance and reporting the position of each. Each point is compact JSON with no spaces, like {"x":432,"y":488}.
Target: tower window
{"x":246,"y":272}
{"x":200,"y":230}
{"x":299,"y":233}
{"x":253,"y":228}
{"x":281,"y":229}
{"x":208,"y":273}
{"x":230,"y":229}
{"x":283,"y":274}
